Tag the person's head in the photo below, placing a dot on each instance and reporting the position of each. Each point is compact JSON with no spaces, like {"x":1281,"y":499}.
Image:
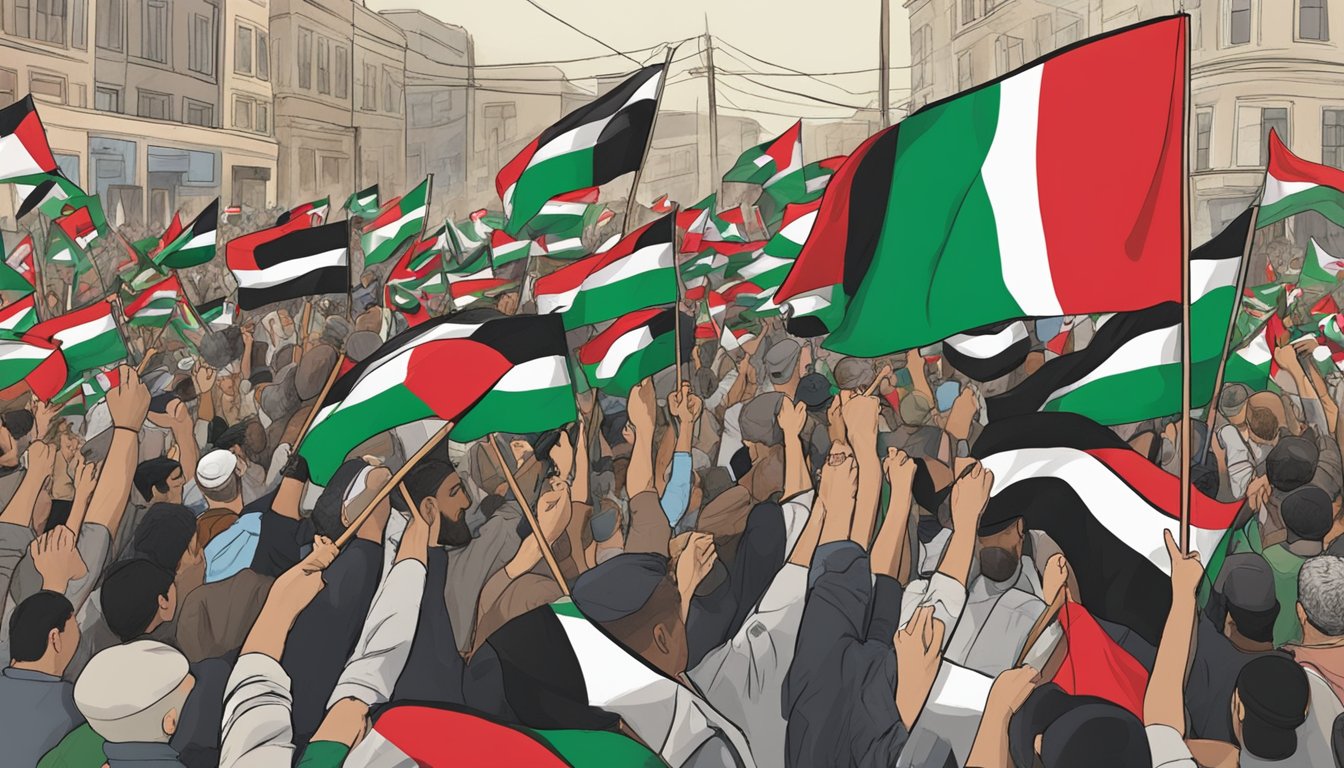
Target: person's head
{"x":916,"y":409}
{"x":19,"y":423}
{"x":217,"y":475}
{"x":854,"y":374}
{"x":1262,"y":424}
{"x":43,"y":633}
{"x":1291,"y":463}
{"x":68,"y":443}
{"x":159,"y":479}
{"x":758,"y":422}
{"x":352,"y":486}
{"x":1268,"y":704}
{"x":436,"y":489}
{"x":134,"y":692}
{"x":137,"y":596}
{"x":166,"y":537}
{"x":634,"y":598}
{"x":999,"y":546}
{"x":1232,"y":403}
{"x":286,"y":322}
{"x":1307,"y":514}
{"x":1058,"y":730}
{"x":1246,"y":584}
{"x":781,"y":362}
{"x":1320,"y":601}
{"x":254,"y":440}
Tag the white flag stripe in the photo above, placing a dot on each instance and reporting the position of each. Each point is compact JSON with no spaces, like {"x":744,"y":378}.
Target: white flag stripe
{"x":627,"y":345}
{"x":1276,"y":190}
{"x":531,"y":375}
{"x":985,"y":346}
{"x":290,"y":270}
{"x":587,"y":134}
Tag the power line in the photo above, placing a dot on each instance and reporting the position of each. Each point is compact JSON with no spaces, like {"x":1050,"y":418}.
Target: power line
{"x":538,"y":6}
{"x":730,"y":105}
{"x":772,"y":99}
{"x":561,"y":78}
{"x":799,"y":73}
{"x":850,"y":91}
{"x":800,"y":93}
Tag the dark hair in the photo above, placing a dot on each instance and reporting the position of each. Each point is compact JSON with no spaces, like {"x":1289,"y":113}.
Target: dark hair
{"x":163,"y":534}
{"x":612,"y":424}
{"x":19,"y":422}
{"x":1263,"y":423}
{"x":224,"y":493}
{"x":634,"y":630}
{"x":33,"y":620}
{"x":59,"y":514}
{"x":130,"y":596}
{"x":424,"y":481}
{"x":152,"y":474}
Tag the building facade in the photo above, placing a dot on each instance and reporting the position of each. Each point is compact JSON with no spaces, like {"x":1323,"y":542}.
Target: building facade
{"x":379,"y":112}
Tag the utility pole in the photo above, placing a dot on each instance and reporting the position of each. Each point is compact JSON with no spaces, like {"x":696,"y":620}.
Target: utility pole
{"x":713,"y":111}
{"x":884,"y":64}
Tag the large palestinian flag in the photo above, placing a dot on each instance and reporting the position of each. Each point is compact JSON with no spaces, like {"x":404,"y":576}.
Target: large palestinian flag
{"x":971,"y":211}
{"x":634,"y":348}
{"x":565,"y":214}
{"x":154,"y":306}
{"x":194,"y":245}
{"x":587,"y":148}
{"x":88,"y":338}
{"x":1131,"y":370}
{"x":31,"y":360}
{"x":638,"y":271}
{"x":463,"y":367}
{"x":1294,"y":185}
{"x":23,"y":142}
{"x":985,"y":354}
{"x":400,"y":220}
{"x":1105,"y":505}
{"x":290,"y":262}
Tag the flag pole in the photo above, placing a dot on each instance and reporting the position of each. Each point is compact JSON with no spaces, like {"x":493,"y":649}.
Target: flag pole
{"x":1212,"y":414}
{"x":396,"y":479}
{"x":1185,"y":292}
{"x":530,"y":515}
{"x":312,"y":412}
{"x":676,"y":308}
{"x":630,"y":203}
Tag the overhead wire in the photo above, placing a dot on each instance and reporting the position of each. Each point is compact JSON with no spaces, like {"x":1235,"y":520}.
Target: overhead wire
{"x":595,"y":39}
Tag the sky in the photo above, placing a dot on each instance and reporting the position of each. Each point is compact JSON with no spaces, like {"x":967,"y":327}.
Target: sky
{"x":831,"y":36}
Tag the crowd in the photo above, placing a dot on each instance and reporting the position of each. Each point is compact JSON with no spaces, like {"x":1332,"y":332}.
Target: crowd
{"x":779,"y":557}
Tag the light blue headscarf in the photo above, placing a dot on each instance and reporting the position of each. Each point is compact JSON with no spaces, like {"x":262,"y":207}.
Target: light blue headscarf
{"x":232,"y":550}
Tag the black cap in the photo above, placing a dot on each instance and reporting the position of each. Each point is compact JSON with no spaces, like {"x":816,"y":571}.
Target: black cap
{"x":619,"y":587}
{"x":1307,"y":513}
{"x":1274,"y":694}
{"x":1291,"y":463}
{"x":1246,"y":584}
{"x":814,"y":391}
{"x":1075,"y":730}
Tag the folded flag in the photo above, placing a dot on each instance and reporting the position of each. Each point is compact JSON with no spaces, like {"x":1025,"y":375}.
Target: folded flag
{"x":316,"y":212}
{"x":777,"y":161}
{"x":638,"y":271}
{"x":19,"y":316}
{"x":423,"y":736}
{"x":477,"y":268}
{"x":1319,"y":269}
{"x":419,"y":270}
{"x":31,"y":360}
{"x":40,"y":189}
{"x":996,"y":169}
{"x":290,"y":262}
{"x":564,"y":214}
{"x":80,"y":217}
{"x":467,"y":292}
{"x":97,"y":386}
{"x":23,"y":142}
{"x":406,"y":301}
{"x":363,"y":203}
{"x":400,"y":220}
{"x":561,"y":248}
{"x":218,"y":314}
{"x":768,"y":268}
{"x":151,"y":245}
{"x":985,"y":354}
{"x":1294,"y":185}
{"x":587,"y":148}
{"x":17,"y":276}
{"x":88,"y":338}
{"x":773,"y":200}
{"x":506,"y":249}
{"x":813,"y":313}
{"x":194,"y":245}
{"x":154,"y":306}
{"x":63,"y":250}
{"x":1105,"y":505}
{"x":1096,"y":665}
{"x":633,"y":348}
{"x":662,"y":205}
{"x":1252,"y":361}
{"x":1131,"y":370}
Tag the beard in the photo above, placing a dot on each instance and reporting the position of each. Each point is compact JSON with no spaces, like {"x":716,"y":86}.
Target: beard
{"x":998,"y":564}
{"x":454,"y":533}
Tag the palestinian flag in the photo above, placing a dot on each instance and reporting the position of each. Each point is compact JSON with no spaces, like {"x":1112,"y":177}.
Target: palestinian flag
{"x":218,"y":314}
{"x":1252,"y":362}
{"x":1319,"y":269}
{"x":19,"y":316}
{"x":316,"y":213}
{"x":194,"y":245}
{"x":817,"y":175}
{"x":691,"y":221}
{"x":399,"y":221}
{"x":505,"y":249}
{"x":1131,"y":370}
{"x":1294,"y":185}
{"x":40,"y":189}
{"x":468,"y":236}
{"x":985,"y":354}
{"x":152,"y":245}
{"x":62,"y":250}
{"x":778,"y":162}
{"x":662,"y":205}
{"x":464,"y":367}
{"x":696,"y":272}
{"x":1096,"y":665}
{"x":154,"y":306}
{"x":420,"y":268}
{"x":561,"y":248}
{"x":363,"y":203}
{"x":20,"y":260}
{"x":80,"y":218}
{"x":558,"y":670}
{"x":1105,"y":505}
{"x":768,"y":269}
{"x":290,"y":262}
{"x":88,"y":337}
{"x":729,"y":226}
{"x":587,"y":148}
{"x":634,"y":348}
{"x":23,"y":142}
{"x":564,"y":214}
{"x":637,"y":272}
{"x":31,"y":360}
{"x":406,"y":301}
{"x":998,"y":169}
{"x":423,"y":736}
{"x":97,"y":386}
{"x":467,"y":292}
{"x":477,"y":269}
{"x":774,"y":201}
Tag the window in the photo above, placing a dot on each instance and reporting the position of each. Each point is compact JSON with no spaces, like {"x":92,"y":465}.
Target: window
{"x":1313,"y":22}
{"x":263,"y":56}
{"x":199,"y":113}
{"x":156,"y":105}
{"x":263,"y":121}
{"x":1238,"y":21}
{"x":305,"y":58}
{"x":49,"y":24}
{"x":370,"y":87}
{"x":1045,"y":35}
{"x":106,"y":98}
{"x":967,"y":11}
{"x":921,"y":44}
{"x":391,"y":92}
{"x":154,"y":31}
{"x":1203,"y":138}
{"x":501,"y":122}
{"x":69,"y":165}
{"x":1008,"y":53}
{"x":333,"y":170}
{"x":201,"y":46}
{"x":47,"y":86}
{"x":342,"y":72}
{"x":242,"y":113}
{"x":1332,"y":137}
{"x":964,"y":80}
{"x":242,"y":50}
{"x":9,"y":87}
{"x":1272,"y":119}
{"x":323,"y":65}
{"x":109,"y":20}
{"x":79,"y":24}
{"x":23,"y":18}
{"x":307,"y":168}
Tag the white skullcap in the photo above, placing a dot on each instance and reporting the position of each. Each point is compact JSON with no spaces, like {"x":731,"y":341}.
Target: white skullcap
{"x":125,"y":680}
{"x":215,"y":468}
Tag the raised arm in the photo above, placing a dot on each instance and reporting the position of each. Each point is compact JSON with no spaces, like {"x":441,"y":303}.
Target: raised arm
{"x":19,"y":510}
{"x":640,"y":408}
{"x":970,"y":496}
{"x":1164,"y":701}
{"x":128,"y":402}
{"x":890,"y":549}
{"x":860,"y":415}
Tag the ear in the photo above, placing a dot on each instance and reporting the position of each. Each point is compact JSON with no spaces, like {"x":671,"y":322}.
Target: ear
{"x":170,"y":722}
{"x":1301,"y":614}
{"x":1238,"y":710}
{"x":661,"y":640}
{"x":54,"y":640}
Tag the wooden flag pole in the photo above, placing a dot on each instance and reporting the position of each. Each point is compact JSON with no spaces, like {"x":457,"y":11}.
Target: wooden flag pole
{"x":395,"y":480}
{"x":530,"y":515}
{"x":630,"y":203}
{"x":312,"y":413}
{"x":303,"y":330}
{"x":1212,"y":414}
{"x":1185,"y":300}
{"x":676,"y":308}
